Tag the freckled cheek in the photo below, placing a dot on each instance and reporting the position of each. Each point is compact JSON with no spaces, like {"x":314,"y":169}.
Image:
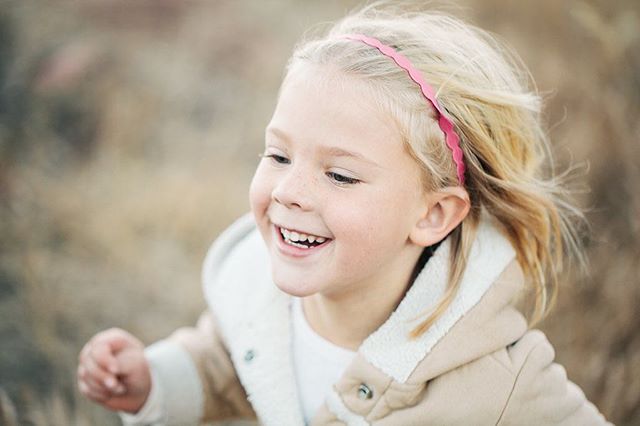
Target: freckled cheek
{"x":353,"y":226}
{"x":368,"y":230}
{"x":259,"y":198}
{"x":260,"y":192}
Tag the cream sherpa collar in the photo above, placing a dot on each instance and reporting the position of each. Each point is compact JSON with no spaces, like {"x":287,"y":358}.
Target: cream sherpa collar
{"x":254,"y":314}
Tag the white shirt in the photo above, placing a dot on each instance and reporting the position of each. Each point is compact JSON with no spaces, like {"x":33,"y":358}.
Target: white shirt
{"x":317,"y":362}
{"x":317,"y":365}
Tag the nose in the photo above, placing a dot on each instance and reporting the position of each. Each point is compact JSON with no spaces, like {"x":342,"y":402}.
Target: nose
{"x":294,"y":189}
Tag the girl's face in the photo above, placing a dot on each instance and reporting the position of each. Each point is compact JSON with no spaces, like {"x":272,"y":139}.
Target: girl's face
{"x":335,"y":195}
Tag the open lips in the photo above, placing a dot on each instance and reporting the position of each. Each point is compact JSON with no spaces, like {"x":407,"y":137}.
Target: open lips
{"x":301,"y":240}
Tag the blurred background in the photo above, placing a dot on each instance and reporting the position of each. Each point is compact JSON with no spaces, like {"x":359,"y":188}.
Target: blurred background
{"x":129,"y":131}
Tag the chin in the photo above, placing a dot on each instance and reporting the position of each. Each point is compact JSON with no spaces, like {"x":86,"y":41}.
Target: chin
{"x":292,"y":287}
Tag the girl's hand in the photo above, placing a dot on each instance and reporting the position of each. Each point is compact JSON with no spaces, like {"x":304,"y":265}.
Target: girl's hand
{"x":114,"y":372}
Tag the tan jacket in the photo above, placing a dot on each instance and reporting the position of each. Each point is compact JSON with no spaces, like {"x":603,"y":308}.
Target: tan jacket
{"x":478,"y":364}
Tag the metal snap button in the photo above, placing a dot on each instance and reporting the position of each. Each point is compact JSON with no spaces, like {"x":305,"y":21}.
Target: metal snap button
{"x":365,"y":392}
{"x":249,"y":355}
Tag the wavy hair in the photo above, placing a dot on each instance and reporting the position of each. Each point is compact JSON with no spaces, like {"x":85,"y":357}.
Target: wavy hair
{"x":491,"y":99}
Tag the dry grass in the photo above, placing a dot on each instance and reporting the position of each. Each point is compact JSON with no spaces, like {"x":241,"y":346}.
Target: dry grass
{"x":129,"y":132}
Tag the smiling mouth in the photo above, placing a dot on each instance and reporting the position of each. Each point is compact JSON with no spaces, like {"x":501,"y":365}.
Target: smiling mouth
{"x":301,"y":240}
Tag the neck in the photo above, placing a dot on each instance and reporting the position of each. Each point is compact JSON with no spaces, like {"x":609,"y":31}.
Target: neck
{"x":348,"y":318}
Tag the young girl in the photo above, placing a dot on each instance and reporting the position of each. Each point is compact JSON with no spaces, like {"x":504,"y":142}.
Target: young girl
{"x":400,"y":226}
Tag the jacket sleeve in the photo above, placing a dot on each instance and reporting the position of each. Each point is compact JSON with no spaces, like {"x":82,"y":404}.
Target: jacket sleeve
{"x":542,"y":394}
{"x":197,"y":377}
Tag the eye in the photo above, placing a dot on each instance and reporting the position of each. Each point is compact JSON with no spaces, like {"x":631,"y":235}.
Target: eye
{"x":279,"y":159}
{"x":342,"y":179}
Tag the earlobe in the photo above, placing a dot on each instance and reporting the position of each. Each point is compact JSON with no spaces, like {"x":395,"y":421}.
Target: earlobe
{"x":447,"y":209}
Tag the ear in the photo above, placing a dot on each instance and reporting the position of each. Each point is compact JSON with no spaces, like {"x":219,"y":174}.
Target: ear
{"x":445,"y":209}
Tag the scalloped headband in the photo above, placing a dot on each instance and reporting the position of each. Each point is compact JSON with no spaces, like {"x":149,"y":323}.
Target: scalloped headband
{"x":451,"y":137}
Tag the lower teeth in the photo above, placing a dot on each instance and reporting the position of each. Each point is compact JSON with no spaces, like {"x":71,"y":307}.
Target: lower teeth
{"x":296,"y":244}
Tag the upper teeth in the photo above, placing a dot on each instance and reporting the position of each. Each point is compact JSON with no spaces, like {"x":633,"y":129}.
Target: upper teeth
{"x":299,"y":236}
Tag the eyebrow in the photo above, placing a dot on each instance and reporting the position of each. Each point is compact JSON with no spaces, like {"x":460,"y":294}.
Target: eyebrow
{"x":332,"y":151}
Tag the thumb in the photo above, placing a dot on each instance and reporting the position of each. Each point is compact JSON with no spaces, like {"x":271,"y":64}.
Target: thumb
{"x":111,"y":342}
{"x":135,"y":376}
{"x":131,"y":361}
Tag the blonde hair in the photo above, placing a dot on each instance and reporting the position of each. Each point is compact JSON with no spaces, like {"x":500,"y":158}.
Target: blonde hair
{"x":486,"y":92}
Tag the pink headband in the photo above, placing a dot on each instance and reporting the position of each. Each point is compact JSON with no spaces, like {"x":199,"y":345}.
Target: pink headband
{"x":451,"y":137}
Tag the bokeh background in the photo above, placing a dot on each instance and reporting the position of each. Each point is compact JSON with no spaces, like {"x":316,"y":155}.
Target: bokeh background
{"x":129,"y":131}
